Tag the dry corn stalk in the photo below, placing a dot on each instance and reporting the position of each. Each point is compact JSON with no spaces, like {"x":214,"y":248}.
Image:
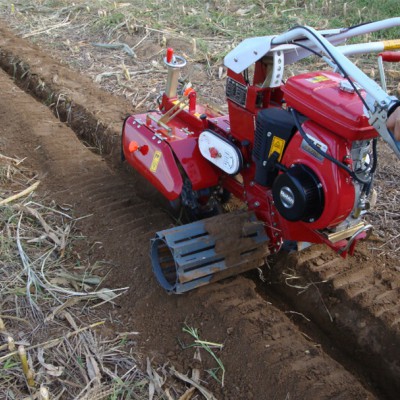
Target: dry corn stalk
{"x":25,"y":366}
{"x":25,"y":192}
{"x":11,"y":343}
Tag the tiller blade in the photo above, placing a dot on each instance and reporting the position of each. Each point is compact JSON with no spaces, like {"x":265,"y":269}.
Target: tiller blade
{"x":193,"y":255}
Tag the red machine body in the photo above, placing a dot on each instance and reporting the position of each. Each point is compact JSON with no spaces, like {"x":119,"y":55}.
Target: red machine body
{"x":332,"y":117}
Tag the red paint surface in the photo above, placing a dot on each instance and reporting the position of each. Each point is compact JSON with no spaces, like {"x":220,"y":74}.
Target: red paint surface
{"x":335,"y":118}
{"x":325,"y":103}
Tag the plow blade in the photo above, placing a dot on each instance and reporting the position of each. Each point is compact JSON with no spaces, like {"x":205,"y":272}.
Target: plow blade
{"x":193,"y":255}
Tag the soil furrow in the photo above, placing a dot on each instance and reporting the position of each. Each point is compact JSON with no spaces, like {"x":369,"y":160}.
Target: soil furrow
{"x":255,"y":333}
{"x":248,"y":330}
{"x":353,"y":307}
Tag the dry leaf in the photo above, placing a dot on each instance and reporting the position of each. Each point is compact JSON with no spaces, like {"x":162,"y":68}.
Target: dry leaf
{"x":244,"y":11}
{"x":196,"y":371}
{"x":156,"y":382}
{"x":93,"y":369}
{"x":206,"y":393}
{"x":188,"y":394}
{"x":50,"y":369}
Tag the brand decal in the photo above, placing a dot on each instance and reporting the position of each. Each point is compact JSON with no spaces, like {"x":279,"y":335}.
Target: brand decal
{"x":156,"y":160}
{"x":287,"y":197}
{"x":318,"y":78}
{"x":306,"y":147}
{"x":236,"y":92}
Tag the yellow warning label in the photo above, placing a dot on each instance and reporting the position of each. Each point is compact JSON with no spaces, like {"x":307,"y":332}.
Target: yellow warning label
{"x":155,"y":162}
{"x":318,"y":78}
{"x":391,"y":44}
{"x":277,"y":145}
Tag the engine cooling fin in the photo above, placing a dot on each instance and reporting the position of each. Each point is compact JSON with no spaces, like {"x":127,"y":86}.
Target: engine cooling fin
{"x":193,"y":255}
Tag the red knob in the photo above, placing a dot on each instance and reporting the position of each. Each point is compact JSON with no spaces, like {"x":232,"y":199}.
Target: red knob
{"x":133,"y":146}
{"x":390,"y":56}
{"x":170,"y":54}
{"x":214,"y":152}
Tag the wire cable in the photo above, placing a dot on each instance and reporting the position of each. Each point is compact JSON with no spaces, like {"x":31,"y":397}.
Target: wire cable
{"x":336,"y":62}
{"x":322,"y":153}
{"x":307,"y":48}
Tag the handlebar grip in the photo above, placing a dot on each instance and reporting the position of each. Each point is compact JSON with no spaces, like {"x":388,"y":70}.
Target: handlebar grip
{"x":390,"y":56}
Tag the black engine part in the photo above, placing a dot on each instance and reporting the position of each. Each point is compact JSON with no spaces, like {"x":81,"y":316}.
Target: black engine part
{"x":298,"y":194}
{"x":274,"y":128}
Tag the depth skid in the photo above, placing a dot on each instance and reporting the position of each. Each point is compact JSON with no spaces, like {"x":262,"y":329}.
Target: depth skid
{"x":193,"y":255}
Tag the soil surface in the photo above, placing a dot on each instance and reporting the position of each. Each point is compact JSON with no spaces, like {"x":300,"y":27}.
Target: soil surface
{"x":266,"y":354}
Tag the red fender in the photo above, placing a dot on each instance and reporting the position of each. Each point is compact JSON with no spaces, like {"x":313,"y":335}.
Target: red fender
{"x":200,"y":171}
{"x":157,"y":157}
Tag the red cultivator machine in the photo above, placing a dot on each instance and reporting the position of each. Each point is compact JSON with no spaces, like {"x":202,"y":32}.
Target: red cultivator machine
{"x":300,"y":154}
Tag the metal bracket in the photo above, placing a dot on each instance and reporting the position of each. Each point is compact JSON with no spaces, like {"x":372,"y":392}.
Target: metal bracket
{"x":365,"y":228}
{"x":378,"y":118}
{"x":159,"y":122}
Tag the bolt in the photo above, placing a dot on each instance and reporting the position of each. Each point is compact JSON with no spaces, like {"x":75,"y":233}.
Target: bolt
{"x":264,"y":163}
{"x":252,"y":183}
{"x":276,"y":234}
{"x":274,"y":224}
{"x":235,"y":59}
{"x":153,"y":138}
{"x":257,"y":204}
{"x":311,"y":220}
{"x":269,"y":134}
{"x":272,"y":213}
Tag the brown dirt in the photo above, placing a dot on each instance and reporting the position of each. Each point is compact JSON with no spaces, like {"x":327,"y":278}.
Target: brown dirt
{"x":355,"y":301}
{"x":265,"y":354}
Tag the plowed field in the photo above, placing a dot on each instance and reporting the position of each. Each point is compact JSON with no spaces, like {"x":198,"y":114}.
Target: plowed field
{"x":319,"y":327}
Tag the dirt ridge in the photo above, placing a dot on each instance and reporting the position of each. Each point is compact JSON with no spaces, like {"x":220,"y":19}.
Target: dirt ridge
{"x":351,"y":304}
{"x":62,"y":90}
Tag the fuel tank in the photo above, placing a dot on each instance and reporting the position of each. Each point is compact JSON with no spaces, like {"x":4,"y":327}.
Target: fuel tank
{"x":328,"y":99}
